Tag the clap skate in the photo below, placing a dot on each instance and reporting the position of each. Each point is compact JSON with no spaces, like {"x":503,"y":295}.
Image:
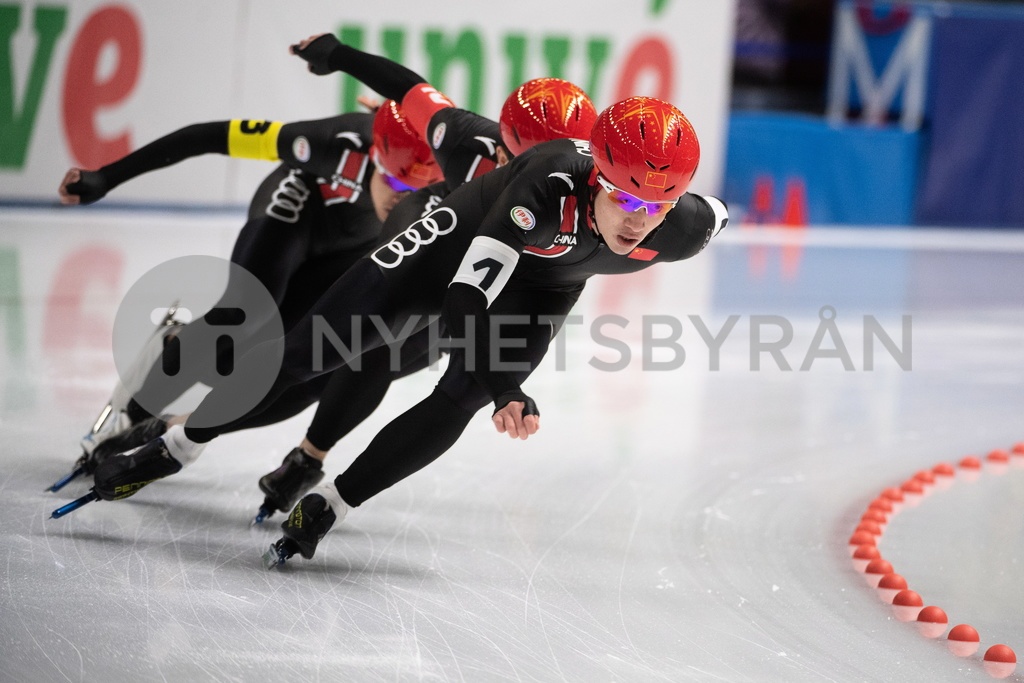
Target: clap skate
{"x":298,"y":473}
{"x":124,"y":475}
{"x":139,"y":434}
{"x":113,"y":420}
{"x":305,"y":527}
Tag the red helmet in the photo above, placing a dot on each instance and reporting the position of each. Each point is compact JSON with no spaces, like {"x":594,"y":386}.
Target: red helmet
{"x":399,"y":151}
{"x":645,"y":147}
{"x":545,"y":109}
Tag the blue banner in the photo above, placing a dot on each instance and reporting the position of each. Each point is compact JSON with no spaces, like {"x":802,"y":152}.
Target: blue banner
{"x":973,"y":173}
{"x":850,"y":174}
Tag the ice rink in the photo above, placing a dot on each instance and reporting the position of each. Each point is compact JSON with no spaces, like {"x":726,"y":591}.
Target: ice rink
{"x":664,"y":525}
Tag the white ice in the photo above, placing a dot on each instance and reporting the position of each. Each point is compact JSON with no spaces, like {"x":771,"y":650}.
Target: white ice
{"x":686,"y":525}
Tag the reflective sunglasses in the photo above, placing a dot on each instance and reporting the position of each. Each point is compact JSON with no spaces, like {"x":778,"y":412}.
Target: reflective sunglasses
{"x":393,"y":182}
{"x":631,"y":204}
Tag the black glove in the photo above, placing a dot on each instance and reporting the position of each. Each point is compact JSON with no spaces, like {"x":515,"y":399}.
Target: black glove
{"x":318,"y":54}
{"x":529,"y":409}
{"x":91,"y":187}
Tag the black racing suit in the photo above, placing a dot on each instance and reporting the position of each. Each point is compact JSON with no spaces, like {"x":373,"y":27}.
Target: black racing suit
{"x":466,"y":148}
{"x":308,"y":221}
{"x":517,"y":241}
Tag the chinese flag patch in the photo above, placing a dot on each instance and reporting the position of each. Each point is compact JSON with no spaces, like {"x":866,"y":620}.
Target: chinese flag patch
{"x":653,"y":179}
{"x":642,"y":254}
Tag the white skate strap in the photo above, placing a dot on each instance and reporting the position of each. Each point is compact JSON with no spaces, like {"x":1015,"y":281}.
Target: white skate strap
{"x":330,"y":493}
{"x":180,"y":447}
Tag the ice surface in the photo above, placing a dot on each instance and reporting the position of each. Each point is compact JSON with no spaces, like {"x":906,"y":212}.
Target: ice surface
{"x":663,"y":526}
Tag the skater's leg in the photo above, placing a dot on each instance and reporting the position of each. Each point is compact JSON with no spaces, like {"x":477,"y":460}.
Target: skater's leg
{"x":269,"y":249}
{"x":352,"y":395}
{"x":406,"y":445}
{"x":422,"y":434}
{"x":349,"y":398}
{"x":308,"y":350}
{"x":292,"y":401}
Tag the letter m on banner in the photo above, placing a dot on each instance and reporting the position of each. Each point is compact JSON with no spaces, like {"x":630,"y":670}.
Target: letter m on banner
{"x":877,"y":58}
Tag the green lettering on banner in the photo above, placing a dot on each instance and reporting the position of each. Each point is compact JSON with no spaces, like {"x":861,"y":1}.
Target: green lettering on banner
{"x":598,"y":50}
{"x":16,"y":127}
{"x":515,"y":51}
{"x":466,"y":50}
{"x":442,"y":55}
{"x":392,"y":41}
{"x":658,"y":6}
{"x":556,"y":52}
{"x":352,"y":36}
{"x":17,"y":388}
{"x":392,"y":47}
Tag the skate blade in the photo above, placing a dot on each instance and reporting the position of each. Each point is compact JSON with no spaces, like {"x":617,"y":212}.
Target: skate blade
{"x":71,"y":476}
{"x":264,"y":512}
{"x":74,"y":505}
{"x":274,"y":557}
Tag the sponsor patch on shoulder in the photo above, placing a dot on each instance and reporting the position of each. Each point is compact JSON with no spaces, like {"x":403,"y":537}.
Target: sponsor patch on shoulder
{"x":300,"y":148}
{"x":438,"y":136}
{"x":523,"y":217}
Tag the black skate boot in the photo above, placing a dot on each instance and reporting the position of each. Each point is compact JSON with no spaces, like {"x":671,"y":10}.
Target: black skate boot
{"x":124,"y":475}
{"x":298,"y":473}
{"x":138,"y":435}
{"x":305,"y":527}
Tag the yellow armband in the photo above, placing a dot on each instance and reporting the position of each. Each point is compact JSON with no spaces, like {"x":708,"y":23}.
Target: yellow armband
{"x":249,"y":139}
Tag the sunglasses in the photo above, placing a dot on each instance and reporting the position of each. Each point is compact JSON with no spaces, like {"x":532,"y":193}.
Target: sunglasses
{"x":393,"y":182}
{"x":632,"y":204}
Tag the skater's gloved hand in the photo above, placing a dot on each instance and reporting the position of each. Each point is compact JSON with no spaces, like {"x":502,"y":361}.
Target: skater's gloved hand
{"x":516,"y":414}
{"x":82,"y":187}
{"x":317,"y":51}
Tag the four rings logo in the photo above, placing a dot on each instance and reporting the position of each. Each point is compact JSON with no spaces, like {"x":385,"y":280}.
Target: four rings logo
{"x":424,"y":231}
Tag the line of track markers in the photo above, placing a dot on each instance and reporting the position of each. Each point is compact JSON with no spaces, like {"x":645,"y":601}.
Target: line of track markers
{"x":999,"y":660}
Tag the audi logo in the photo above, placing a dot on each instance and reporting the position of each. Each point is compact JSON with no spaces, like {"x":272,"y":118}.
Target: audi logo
{"x":423,"y":231}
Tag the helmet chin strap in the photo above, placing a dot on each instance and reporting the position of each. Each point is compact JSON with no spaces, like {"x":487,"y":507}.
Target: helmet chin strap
{"x":591,"y":215}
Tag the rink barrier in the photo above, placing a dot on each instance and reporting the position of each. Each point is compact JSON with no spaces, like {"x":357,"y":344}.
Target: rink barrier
{"x":931,"y":621}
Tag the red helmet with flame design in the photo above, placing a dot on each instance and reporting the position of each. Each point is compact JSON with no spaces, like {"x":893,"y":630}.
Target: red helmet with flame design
{"x":545,"y":109}
{"x":645,"y":147}
{"x":399,"y":152}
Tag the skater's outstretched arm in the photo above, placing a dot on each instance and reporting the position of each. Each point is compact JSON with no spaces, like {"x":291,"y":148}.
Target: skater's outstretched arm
{"x":326,"y":54}
{"x":237,"y":138}
{"x":85,"y":187}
